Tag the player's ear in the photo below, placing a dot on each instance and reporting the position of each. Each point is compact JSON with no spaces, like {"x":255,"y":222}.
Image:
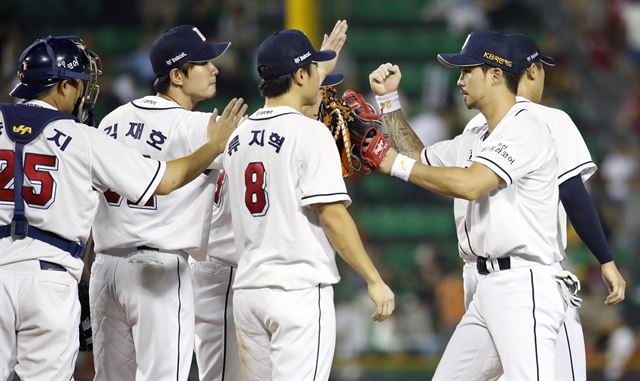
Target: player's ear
{"x":496,"y":75}
{"x":65,"y":85}
{"x":299,"y":76}
{"x":531,"y":72}
{"x":176,"y":77}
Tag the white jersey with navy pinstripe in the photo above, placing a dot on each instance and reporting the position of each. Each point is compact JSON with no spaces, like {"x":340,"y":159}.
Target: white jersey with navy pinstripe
{"x":514,"y":218}
{"x":573,"y":155}
{"x":279,"y":164}
{"x":70,"y":161}
{"x":160,"y":129}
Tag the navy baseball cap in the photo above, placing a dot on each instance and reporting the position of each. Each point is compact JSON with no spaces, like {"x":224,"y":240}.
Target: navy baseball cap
{"x":285,"y":51}
{"x":529,"y":51}
{"x":182,"y":44}
{"x":485,"y":47}
{"x":332,"y":80}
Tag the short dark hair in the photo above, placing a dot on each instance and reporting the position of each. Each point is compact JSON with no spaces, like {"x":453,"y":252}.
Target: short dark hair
{"x":161,"y":84}
{"x":510,"y":79}
{"x":271,"y":88}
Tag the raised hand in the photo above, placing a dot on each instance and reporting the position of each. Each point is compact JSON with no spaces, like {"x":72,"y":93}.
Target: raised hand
{"x":385,"y":79}
{"x":334,"y":41}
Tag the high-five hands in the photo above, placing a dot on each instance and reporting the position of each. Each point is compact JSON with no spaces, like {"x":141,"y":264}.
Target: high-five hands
{"x":385,"y":79}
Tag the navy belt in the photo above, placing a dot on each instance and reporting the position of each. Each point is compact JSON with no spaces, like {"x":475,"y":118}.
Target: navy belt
{"x":46,"y":265}
{"x":504,"y":263}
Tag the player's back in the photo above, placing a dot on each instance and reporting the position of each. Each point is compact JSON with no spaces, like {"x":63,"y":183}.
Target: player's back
{"x":276,"y":162}
{"x":160,"y":129}
{"x":62,"y":168}
{"x":573,"y":155}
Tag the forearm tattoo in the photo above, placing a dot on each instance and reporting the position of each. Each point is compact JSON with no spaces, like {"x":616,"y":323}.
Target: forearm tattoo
{"x":403,"y":139}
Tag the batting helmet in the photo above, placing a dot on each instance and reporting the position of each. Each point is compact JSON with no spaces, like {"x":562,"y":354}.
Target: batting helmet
{"x":53,"y":59}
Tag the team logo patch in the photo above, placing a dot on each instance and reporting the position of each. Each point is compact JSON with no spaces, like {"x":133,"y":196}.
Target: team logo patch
{"x":498,"y":59}
{"x":175,"y":59}
{"x":302,"y":57}
{"x":22,"y":129}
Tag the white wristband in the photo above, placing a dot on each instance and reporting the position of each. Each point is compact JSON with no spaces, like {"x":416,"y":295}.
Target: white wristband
{"x":402,"y":167}
{"x":389,"y":102}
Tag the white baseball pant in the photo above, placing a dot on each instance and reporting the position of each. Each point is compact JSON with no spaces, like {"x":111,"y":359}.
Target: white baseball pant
{"x":512,"y":323}
{"x":571,"y":362}
{"x":39,"y":319}
{"x":142,"y":316}
{"x":216,"y":344}
{"x":285,"y":335}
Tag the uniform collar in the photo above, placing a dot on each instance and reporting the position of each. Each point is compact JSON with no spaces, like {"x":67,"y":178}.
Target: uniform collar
{"x":273,"y":111}
{"x":39,"y":103}
{"x":155,"y":102}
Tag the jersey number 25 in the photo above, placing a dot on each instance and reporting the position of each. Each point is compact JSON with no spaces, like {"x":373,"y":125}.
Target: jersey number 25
{"x":37,"y":170}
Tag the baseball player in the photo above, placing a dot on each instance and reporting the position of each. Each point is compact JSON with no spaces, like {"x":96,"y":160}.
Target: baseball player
{"x":216,"y":346}
{"x":53,"y":163}
{"x":141,"y":294}
{"x":288,"y":203}
{"x":574,"y":164}
{"x":511,"y":188}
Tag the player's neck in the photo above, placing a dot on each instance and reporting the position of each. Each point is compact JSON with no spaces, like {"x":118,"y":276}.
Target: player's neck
{"x":183,"y":100}
{"x":496,"y":109}
{"x":54,"y":101}
{"x":289,"y":99}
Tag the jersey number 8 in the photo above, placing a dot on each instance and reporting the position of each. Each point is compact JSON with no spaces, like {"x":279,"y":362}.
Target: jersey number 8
{"x":256,"y":197}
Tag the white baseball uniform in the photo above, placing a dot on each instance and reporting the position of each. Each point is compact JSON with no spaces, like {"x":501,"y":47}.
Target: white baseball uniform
{"x":279,"y":164}
{"x":511,"y":222}
{"x":573,"y":159}
{"x":141,"y":288}
{"x":40,"y":307}
{"x":216,"y":345}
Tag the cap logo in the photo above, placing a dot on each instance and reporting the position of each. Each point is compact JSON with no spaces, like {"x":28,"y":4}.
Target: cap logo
{"x":498,"y":59}
{"x":532,"y":57}
{"x":198,"y":33}
{"x":24,"y":65}
{"x":301,"y":58}
{"x":175,"y":59}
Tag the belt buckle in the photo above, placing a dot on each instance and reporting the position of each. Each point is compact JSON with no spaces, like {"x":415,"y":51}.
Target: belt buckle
{"x":19,"y":236}
{"x":481,"y":266}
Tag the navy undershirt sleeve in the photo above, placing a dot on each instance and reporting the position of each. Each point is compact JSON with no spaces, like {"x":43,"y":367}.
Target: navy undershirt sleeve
{"x":584,"y":218}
